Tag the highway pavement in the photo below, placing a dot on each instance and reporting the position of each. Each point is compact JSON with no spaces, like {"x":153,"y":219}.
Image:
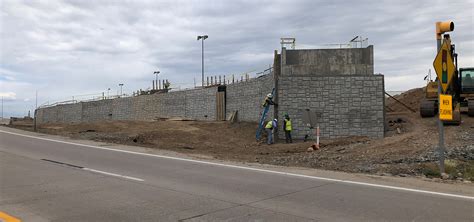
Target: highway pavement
{"x":43,"y":179}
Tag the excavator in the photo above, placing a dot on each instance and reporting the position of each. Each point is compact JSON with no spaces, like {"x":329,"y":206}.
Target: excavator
{"x":461,"y":86}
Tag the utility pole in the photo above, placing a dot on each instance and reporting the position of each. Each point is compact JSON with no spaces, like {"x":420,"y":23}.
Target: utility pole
{"x":202,"y":38}
{"x":36,"y":110}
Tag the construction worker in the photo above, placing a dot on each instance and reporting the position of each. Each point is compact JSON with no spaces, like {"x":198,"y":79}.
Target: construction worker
{"x":287,"y":128}
{"x":271,"y":125}
{"x":268,"y":100}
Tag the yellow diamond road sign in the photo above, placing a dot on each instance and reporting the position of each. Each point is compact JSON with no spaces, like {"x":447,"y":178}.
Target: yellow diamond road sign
{"x":444,"y":66}
{"x":445,"y":107}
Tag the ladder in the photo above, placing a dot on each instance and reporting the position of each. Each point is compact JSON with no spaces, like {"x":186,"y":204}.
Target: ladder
{"x":262,"y":119}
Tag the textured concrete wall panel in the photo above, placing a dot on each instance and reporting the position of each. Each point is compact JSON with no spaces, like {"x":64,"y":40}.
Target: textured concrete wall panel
{"x":247,"y":97}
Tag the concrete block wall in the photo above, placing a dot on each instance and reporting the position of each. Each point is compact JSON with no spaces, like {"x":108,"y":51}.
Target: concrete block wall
{"x":60,"y":113}
{"x":247,"y":97}
{"x":164,"y":105}
{"x":122,"y":108}
{"x":201,"y":104}
{"x":197,"y":104}
{"x":337,"y":84}
{"x":65,"y":110}
{"x":346,"y":105}
{"x":96,"y":111}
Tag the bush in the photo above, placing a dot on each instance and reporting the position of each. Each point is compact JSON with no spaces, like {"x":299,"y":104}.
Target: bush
{"x":451,"y":167}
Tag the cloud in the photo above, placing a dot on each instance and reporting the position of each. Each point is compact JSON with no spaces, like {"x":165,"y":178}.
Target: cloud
{"x":69,"y":48}
{"x":8,"y":95}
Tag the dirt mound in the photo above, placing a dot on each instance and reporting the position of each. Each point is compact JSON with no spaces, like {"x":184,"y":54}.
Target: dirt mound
{"x":410,"y":150}
{"x":23,"y":123}
{"x":411,"y":98}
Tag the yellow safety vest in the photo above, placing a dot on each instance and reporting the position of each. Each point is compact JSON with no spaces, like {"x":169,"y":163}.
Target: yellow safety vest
{"x":288,"y":125}
{"x":269,"y":125}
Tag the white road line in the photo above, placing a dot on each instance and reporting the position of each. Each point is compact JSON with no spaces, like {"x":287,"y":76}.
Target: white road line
{"x":113,"y":174}
{"x":255,"y":169}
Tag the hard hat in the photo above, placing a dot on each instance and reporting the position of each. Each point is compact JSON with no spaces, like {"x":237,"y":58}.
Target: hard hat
{"x":275,"y":120}
{"x":270,"y":95}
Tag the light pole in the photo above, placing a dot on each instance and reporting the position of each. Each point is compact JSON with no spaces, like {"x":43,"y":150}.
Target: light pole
{"x":156,"y":79}
{"x":36,"y":100}
{"x":202,"y":38}
{"x":121,"y":84}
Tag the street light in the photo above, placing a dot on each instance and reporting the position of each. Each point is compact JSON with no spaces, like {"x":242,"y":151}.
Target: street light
{"x":202,"y":38}
{"x":121,"y":84}
{"x":156,"y":82}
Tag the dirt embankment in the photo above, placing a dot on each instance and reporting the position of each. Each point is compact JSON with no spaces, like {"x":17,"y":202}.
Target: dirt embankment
{"x":411,"y":98}
{"x":408,"y":148}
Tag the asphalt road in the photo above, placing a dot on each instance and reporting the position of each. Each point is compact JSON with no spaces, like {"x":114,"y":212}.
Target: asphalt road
{"x":45,"y":180}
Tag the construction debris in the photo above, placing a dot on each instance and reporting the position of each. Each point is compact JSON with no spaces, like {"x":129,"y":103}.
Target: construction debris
{"x":233,"y":117}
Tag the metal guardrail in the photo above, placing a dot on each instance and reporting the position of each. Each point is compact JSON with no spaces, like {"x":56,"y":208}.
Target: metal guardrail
{"x":65,"y":102}
{"x":102,"y":96}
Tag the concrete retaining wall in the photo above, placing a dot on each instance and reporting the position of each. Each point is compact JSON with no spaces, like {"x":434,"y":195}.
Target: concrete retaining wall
{"x":328,"y":62}
{"x":247,"y":98}
{"x":200,"y":104}
{"x":346,"y":106}
{"x":336,"y":84}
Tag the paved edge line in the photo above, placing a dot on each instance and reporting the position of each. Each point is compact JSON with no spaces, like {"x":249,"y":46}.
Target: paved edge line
{"x":254,"y":169}
{"x":91,"y":170}
{"x":7,"y":218}
{"x":113,"y":174}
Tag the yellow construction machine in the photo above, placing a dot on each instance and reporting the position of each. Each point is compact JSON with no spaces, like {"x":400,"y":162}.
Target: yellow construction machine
{"x":461,"y":86}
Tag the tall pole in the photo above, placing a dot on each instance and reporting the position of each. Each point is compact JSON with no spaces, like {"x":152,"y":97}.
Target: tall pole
{"x":36,"y":109}
{"x":202,"y":38}
{"x":202,"y":61}
{"x":440,"y":123}
{"x":441,"y":27}
{"x":2,"y":107}
{"x":36,"y":100}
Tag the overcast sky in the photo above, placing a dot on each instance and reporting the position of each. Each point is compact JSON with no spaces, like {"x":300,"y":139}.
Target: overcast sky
{"x":70,"y":48}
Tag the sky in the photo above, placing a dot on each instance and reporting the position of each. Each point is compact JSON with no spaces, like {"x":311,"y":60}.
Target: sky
{"x":58,"y":50}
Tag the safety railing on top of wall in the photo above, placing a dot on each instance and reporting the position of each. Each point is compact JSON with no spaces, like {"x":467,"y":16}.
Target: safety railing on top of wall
{"x":231,"y":79}
{"x":211,"y":81}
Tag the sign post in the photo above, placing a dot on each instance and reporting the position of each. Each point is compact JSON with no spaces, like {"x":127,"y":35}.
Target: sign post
{"x":444,"y":67}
